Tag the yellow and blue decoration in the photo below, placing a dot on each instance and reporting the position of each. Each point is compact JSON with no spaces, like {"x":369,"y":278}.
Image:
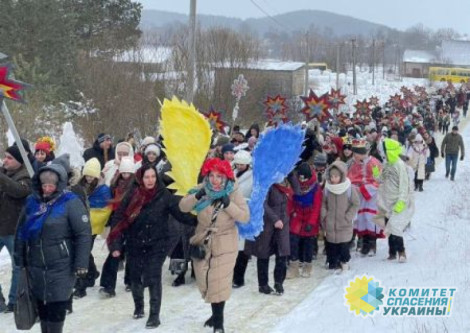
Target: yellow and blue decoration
{"x":363,"y":296}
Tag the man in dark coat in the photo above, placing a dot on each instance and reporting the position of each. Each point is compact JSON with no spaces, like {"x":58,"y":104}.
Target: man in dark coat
{"x":53,"y":243}
{"x":15,"y":186}
{"x":102,"y":149}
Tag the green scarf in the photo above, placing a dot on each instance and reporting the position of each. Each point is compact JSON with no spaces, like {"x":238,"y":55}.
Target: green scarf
{"x":211,"y":195}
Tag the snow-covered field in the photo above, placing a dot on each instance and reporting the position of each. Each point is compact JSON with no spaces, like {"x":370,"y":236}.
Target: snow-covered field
{"x":437,"y":246}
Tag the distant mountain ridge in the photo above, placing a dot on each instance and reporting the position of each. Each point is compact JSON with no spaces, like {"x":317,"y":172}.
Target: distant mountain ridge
{"x":338,"y":25}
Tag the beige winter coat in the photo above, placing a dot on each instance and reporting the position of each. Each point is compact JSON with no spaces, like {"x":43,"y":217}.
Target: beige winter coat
{"x":214,"y":274}
{"x":339,"y":210}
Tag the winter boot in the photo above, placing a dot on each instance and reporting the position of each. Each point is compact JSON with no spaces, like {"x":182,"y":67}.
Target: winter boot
{"x":392,"y":257}
{"x":79,"y":293}
{"x":180,"y":280}
{"x":344,"y":266}
{"x":402,"y":257}
{"x":55,"y":327}
{"x":106,"y":292}
{"x":420,"y":187}
{"x":209,"y":322}
{"x":307,"y":270}
{"x":218,"y":316}
{"x":138,"y":311}
{"x":359,"y":244}
{"x":10,"y":308}
{"x":153,"y":321}
{"x":293,"y":270}
{"x":279,"y":288}
{"x":373,"y":248}
{"x":265,"y":289}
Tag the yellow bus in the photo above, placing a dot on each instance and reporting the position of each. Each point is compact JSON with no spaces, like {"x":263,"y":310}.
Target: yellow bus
{"x":455,"y":75}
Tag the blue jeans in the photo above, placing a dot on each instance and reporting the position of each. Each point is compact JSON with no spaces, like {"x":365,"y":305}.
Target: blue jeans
{"x":8,"y":242}
{"x":451,"y":159}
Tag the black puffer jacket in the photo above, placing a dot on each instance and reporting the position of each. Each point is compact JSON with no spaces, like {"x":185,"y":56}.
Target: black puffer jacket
{"x":147,"y":238}
{"x":97,"y":151}
{"x":63,"y":245}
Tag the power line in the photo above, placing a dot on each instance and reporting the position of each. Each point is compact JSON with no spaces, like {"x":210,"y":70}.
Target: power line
{"x":269,"y":15}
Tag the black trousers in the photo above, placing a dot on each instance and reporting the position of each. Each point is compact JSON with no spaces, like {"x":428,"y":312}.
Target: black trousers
{"x":240,"y":268}
{"x":279,"y":270}
{"x":302,"y":248}
{"x":337,"y":253}
{"x":110,"y":270}
{"x":53,"y":312}
{"x":155,"y":293}
{"x":368,"y":243}
{"x":395,"y":244}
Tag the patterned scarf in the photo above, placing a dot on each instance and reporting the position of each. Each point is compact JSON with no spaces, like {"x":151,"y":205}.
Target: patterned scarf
{"x":37,"y":212}
{"x":211,"y":194}
{"x":139,"y":198}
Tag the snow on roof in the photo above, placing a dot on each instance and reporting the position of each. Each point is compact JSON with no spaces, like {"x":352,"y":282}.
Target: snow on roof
{"x":268,"y":65}
{"x":456,"y":52}
{"x":146,"y":54}
{"x":418,"y":56}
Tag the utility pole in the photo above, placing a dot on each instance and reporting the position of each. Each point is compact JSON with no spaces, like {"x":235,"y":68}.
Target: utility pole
{"x":191,"y":52}
{"x":373,"y":62}
{"x":354,"y":65}
{"x":383,"y":60}
{"x":306,"y":64}
{"x":338,"y":48}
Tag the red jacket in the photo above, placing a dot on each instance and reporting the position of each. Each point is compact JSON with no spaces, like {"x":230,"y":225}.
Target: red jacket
{"x":305,"y":219}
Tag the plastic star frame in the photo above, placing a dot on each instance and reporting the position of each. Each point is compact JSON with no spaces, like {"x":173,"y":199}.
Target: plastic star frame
{"x":215,"y":120}
{"x":374,"y":100}
{"x":362,"y":108}
{"x":276,"y":110}
{"x":335,"y":99}
{"x":240,"y":87}
{"x":10,"y":89}
{"x":316,"y":107}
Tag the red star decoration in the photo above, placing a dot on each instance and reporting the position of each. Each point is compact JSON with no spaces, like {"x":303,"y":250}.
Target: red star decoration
{"x":397,"y":120}
{"x":215,"y":120}
{"x":276,"y":110}
{"x":316,"y":107}
{"x":374,"y":100}
{"x":396,"y":100}
{"x":362,"y":108}
{"x":335,"y":98}
{"x":10,"y":88}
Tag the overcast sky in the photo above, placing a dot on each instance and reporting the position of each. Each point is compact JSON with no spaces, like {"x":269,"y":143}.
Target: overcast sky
{"x":400,"y":14}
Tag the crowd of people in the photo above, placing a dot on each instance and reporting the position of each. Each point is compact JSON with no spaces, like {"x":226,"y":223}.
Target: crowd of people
{"x":354,"y":183}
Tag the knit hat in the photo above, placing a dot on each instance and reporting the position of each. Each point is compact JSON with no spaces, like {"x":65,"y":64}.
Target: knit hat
{"x":15,"y":152}
{"x":127,"y":165}
{"x":153,"y":148}
{"x":45,"y":144}
{"x":320,"y":160}
{"x":222,"y":140}
{"x":147,"y":140}
{"x":216,"y":164}
{"x":49,"y":177}
{"x":455,"y":128}
{"x":102,"y":137}
{"x":229,"y":147}
{"x":92,"y":168}
{"x":242,"y":157}
{"x":359,"y":146}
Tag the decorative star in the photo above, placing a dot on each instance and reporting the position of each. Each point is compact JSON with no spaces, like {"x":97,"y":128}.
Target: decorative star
{"x":240,"y":87}
{"x":215,"y":120}
{"x":335,"y":98}
{"x":374,"y":100}
{"x":396,"y":100}
{"x":362,"y":108}
{"x":316,"y":107}
{"x":10,"y":88}
{"x":276,"y":110}
{"x":397,"y":120}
